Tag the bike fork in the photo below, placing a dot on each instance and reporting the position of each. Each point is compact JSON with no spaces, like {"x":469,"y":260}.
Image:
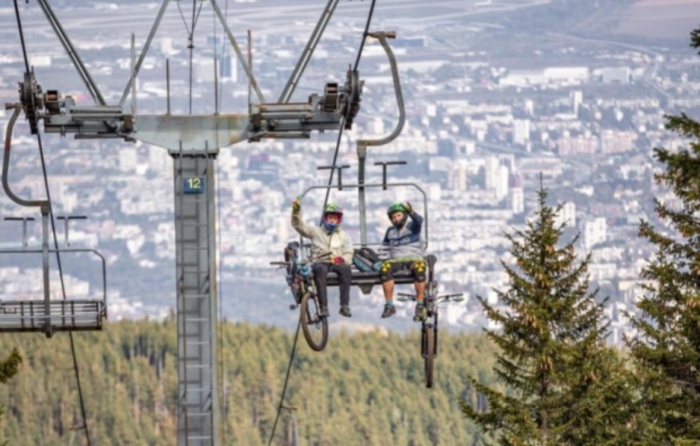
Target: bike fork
{"x":317,"y":316}
{"x":435,"y":337}
{"x":424,"y":340}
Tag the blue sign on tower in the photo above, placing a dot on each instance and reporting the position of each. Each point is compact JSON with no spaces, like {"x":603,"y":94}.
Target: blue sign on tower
{"x":194,"y":185}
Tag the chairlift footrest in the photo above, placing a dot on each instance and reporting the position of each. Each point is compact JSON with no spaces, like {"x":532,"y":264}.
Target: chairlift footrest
{"x":64,"y":315}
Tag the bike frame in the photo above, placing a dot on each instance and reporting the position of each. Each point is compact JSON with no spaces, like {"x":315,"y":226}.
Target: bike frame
{"x":430,"y":321}
{"x":304,"y":282}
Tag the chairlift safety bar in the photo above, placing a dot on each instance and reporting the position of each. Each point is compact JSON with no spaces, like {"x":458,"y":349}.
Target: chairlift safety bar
{"x":383,"y":186}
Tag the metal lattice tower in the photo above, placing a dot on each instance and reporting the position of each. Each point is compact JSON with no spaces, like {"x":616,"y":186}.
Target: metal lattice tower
{"x":197,"y":420}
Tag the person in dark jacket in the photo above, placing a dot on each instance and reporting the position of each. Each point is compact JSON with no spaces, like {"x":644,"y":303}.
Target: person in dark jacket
{"x":403,"y":242}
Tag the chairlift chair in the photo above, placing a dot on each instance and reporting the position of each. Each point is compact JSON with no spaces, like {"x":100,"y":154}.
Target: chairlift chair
{"x":366,"y":280}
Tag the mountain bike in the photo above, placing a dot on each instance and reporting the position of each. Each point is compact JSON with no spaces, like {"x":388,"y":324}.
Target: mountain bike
{"x":429,"y":325}
{"x":300,"y":280}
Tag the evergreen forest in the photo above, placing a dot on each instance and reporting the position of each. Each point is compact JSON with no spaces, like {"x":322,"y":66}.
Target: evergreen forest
{"x":365,"y":388}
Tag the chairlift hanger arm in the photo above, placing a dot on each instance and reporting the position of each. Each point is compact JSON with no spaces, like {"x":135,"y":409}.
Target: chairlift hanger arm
{"x":382,"y":36}
{"x":43,"y":204}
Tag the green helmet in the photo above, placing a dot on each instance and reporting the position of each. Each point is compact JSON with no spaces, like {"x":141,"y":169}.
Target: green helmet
{"x":333,"y":208}
{"x":395,"y":207}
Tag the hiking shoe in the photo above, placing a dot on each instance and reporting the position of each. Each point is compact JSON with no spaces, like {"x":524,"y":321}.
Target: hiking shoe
{"x":420,"y":314}
{"x":389,"y":310}
{"x":323,"y":312}
{"x":345,"y":311}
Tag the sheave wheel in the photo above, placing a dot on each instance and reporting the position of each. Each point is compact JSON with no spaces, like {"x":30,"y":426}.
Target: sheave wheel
{"x":315,"y":328}
{"x":429,"y":355}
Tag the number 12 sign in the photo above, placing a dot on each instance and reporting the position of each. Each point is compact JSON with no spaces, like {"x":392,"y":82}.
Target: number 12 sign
{"x":194,"y":185}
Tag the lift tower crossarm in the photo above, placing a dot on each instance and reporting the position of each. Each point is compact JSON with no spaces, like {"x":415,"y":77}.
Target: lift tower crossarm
{"x":201,"y":132}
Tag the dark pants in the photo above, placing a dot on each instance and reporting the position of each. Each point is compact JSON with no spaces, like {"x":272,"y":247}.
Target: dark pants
{"x":321,"y":270}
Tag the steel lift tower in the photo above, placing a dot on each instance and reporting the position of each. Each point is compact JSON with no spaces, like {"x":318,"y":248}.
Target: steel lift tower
{"x":194,"y":142}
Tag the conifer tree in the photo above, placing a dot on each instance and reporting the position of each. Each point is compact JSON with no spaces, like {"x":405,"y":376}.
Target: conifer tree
{"x":666,"y":348}
{"x":563,"y":385}
{"x":9,"y":368}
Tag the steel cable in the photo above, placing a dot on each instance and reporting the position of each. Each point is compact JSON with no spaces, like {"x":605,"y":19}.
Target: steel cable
{"x":325,"y":203}
{"x":55,"y":240}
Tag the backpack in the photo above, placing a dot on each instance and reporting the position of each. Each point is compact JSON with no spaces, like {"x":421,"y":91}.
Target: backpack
{"x":366,"y":260}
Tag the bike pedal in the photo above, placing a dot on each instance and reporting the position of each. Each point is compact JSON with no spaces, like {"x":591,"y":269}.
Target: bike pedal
{"x":293,"y":306}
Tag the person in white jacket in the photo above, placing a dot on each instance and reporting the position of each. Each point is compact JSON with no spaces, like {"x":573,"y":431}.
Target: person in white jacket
{"x":328,"y":237}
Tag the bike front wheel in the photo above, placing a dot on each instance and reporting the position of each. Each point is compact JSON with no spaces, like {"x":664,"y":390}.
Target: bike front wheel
{"x":429,"y":354}
{"x":314,"y":326}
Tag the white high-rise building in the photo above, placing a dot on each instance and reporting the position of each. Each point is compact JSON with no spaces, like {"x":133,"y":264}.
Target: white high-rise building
{"x":502,"y":182}
{"x":595,"y":232}
{"x":228,"y":68}
{"x":517,"y":200}
{"x":457,"y":177}
{"x":378,"y":126}
{"x":521,"y":131}
{"x":204,"y":70}
{"x":576,"y":100}
{"x":567,"y":215}
{"x":166,"y":45}
{"x":491,"y":167}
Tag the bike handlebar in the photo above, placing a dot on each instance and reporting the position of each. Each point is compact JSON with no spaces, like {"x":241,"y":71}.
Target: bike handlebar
{"x":456,"y":296}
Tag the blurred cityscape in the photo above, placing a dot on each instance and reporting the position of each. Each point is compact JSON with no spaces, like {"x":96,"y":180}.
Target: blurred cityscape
{"x":498,"y":95}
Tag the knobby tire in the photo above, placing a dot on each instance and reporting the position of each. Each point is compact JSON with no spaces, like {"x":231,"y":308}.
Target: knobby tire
{"x":429,"y":355}
{"x":309,"y":313}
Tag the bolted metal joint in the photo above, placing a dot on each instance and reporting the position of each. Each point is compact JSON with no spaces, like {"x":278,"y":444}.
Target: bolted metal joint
{"x":352,"y":97}
{"x":30,"y":96}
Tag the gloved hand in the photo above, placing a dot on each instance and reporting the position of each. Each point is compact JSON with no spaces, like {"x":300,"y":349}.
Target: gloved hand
{"x":338,"y":260}
{"x":296,"y":205}
{"x":408,"y":207}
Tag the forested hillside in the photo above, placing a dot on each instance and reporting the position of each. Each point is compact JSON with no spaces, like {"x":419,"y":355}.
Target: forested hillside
{"x":365,"y":388}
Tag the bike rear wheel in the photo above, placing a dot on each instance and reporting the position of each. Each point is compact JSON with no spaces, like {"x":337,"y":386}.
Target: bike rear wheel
{"x":314,"y":326}
{"x":429,"y":354}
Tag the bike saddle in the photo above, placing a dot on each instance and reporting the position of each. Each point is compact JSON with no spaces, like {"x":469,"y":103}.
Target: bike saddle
{"x":431,"y":259}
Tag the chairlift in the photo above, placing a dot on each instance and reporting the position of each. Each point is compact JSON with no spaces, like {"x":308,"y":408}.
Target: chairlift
{"x":366,"y":280}
{"x":53,"y":315}
{"x":47,"y":315}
